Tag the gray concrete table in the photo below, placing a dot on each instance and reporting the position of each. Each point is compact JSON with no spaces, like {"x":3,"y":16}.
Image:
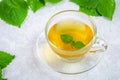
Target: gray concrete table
{"x":21,"y":42}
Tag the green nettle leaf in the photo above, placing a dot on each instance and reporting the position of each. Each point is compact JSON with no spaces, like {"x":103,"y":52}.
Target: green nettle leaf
{"x":4,"y":79}
{"x":42,"y":1}
{"x":78,"y":45}
{"x":92,"y":12}
{"x":0,"y":73}
{"x":66,"y":38}
{"x":35,"y":4}
{"x":13,"y":11}
{"x":89,"y":4}
{"x":97,"y":7}
{"x":5,"y":59}
{"x":69,"y":39}
{"x":106,"y":8}
{"x":53,"y":1}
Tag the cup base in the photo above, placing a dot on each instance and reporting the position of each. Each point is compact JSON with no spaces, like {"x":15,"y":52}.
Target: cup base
{"x":85,"y":63}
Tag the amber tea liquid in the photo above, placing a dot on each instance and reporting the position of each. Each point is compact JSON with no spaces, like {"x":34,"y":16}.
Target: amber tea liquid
{"x":77,"y":29}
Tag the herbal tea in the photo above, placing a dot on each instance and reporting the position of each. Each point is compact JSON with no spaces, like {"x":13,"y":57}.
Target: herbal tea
{"x":72,"y":46}
{"x":70,"y":35}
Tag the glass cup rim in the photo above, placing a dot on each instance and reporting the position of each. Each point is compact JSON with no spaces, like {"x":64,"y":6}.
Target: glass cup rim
{"x":90,"y":19}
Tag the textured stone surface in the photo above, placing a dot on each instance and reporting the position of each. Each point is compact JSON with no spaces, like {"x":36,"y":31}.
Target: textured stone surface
{"x":21,"y":42}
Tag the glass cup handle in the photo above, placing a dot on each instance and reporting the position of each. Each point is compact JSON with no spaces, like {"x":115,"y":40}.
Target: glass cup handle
{"x":99,"y":46}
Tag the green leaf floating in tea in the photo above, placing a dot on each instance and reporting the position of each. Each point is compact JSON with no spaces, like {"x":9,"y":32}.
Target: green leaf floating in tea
{"x":69,"y":39}
{"x":66,"y":38}
{"x":77,"y":44}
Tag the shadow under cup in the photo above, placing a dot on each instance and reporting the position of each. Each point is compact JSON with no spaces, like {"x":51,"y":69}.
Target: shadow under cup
{"x":75,"y":15}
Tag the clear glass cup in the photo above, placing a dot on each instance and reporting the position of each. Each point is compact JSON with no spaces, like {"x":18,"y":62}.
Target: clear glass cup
{"x":76,"y":61}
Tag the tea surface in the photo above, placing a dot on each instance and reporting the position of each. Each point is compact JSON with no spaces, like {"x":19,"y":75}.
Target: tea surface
{"x":76,"y":29}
